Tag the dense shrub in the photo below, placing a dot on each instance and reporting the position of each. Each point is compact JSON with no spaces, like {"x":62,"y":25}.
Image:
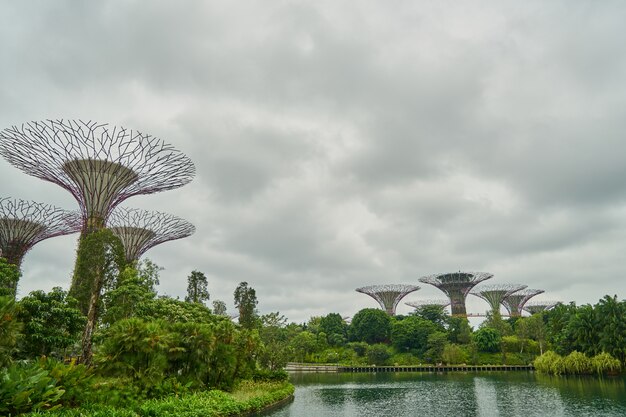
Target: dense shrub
{"x":578,"y":363}
{"x":378,"y":354}
{"x":453,"y":354}
{"x":9,"y":329}
{"x":605,"y":363}
{"x":487,"y":340}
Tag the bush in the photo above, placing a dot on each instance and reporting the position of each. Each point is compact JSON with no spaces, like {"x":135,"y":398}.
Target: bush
{"x":487,"y":340}
{"x":453,"y":355}
{"x":550,"y":363}
{"x":9,"y":329}
{"x":277,"y":375}
{"x":603,"y":363}
{"x":378,"y":354}
{"x":26,"y":387}
{"x":577,"y":363}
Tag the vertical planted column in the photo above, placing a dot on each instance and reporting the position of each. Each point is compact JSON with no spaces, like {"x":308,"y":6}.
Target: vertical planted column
{"x":456,"y":286}
{"x":388,"y":295}
{"x":23,"y":224}
{"x":101,"y":166}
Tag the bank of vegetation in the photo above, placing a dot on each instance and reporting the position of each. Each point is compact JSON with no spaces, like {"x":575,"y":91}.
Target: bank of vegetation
{"x":152,"y":355}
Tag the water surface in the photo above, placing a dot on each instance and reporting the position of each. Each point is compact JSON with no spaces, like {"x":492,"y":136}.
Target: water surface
{"x":454,"y":394}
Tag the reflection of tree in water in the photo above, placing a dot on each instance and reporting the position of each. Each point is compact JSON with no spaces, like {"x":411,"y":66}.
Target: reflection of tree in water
{"x":577,"y":391}
{"x":333,"y":396}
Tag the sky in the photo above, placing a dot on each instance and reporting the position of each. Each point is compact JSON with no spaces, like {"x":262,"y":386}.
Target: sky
{"x":343,"y":144}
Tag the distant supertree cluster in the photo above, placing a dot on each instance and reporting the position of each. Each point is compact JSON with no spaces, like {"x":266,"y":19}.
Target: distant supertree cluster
{"x":140,"y":230}
{"x":535,"y":307}
{"x":100,"y":165}
{"x":419,"y":304}
{"x":456,"y":286}
{"x":388,"y":295}
{"x":515,"y":302}
{"x":495,"y":294}
{"x":23,"y":224}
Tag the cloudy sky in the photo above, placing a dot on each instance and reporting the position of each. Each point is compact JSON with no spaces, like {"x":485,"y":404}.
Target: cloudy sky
{"x":341,"y":144}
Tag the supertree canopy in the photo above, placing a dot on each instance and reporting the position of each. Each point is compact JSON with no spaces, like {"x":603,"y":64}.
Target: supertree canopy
{"x":388,"y":295}
{"x":534,"y":307}
{"x":514,"y":303}
{"x":456,"y":286}
{"x":23,"y":224}
{"x":100,"y":165}
{"x":140,"y":230}
{"x":417,"y":304}
{"x":495,"y":294}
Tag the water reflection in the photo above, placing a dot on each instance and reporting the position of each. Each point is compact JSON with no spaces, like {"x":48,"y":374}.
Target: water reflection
{"x":454,"y":394}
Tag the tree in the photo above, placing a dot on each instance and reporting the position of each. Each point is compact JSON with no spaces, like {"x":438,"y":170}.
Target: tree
{"x":123,"y":301}
{"x":219,"y":308}
{"x":370,"y":325}
{"x":304,"y":344}
{"x":412,"y":333}
{"x":459,"y":330}
{"x":487,"y":340}
{"x":532,"y":327}
{"x":52,"y":322}
{"x":436,"y":344}
{"x":275,"y":337}
{"x":378,"y":354}
{"x":433,"y":312}
{"x":246,"y":302}
{"x":335,"y":329}
{"x":611,"y":321}
{"x":9,"y":329}
{"x":9,"y":276}
{"x":197,"y":288}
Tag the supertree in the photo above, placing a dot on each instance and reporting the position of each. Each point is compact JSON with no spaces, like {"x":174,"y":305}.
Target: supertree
{"x":534,"y":307}
{"x":456,"y":286}
{"x":388,"y":295}
{"x":140,"y":230}
{"x":101,"y":166}
{"x":418,"y":304}
{"x":514,"y":303}
{"x":495,"y":294}
{"x":23,"y":224}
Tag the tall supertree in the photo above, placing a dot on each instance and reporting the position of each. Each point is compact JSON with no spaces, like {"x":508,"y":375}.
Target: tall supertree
{"x":418,"y":304}
{"x":388,"y":295}
{"x":514,"y":303}
{"x":23,"y":224}
{"x":535,"y":307}
{"x":495,"y":294}
{"x":101,"y":166}
{"x":456,"y":286}
{"x":140,"y":230}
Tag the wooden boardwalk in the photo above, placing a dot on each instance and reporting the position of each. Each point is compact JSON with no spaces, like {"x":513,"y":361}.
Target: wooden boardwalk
{"x":309,"y":367}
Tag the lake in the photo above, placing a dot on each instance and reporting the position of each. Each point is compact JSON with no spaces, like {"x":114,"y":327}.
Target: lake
{"x":454,"y":394}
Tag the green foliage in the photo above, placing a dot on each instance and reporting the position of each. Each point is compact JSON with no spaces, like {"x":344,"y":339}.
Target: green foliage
{"x":550,"y":363}
{"x":10,"y":329}
{"x":378,"y":354}
{"x":303,"y":344}
{"x":453,"y":354}
{"x":578,"y":363}
{"x":532,"y":327}
{"x":219,"y":308}
{"x":197,"y":288}
{"x":487,"y":339}
{"x":459,"y":330}
{"x":411,"y":334}
{"x":26,"y":387}
{"x":275,"y":351}
{"x":246,"y":302}
{"x":436,"y":344}
{"x":495,"y":322}
{"x":99,"y":258}
{"x":605,"y":363}
{"x":52,"y":322}
{"x":611,"y":320}
{"x":433,"y":313}
{"x":360,"y":348}
{"x":123,"y":301}
{"x":370,"y":325}
{"x":195,"y":354}
{"x":172,"y":310}
{"x":335,"y":329}
{"x":9,"y":277}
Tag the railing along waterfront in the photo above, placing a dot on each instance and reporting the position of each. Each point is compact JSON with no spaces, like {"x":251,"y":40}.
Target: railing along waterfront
{"x":309,"y":367}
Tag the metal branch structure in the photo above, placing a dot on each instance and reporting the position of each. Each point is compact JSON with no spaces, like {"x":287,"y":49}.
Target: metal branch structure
{"x":388,"y":295}
{"x":456,"y":286}
{"x":140,"y":230}
{"x":23,"y":224}
{"x":100,"y":165}
{"x":495,"y":294}
{"x":535,"y":307}
{"x":514,"y":303}
{"x":418,"y":304}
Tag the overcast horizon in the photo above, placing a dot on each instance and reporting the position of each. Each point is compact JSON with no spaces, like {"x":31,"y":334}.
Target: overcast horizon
{"x":344,"y":144}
